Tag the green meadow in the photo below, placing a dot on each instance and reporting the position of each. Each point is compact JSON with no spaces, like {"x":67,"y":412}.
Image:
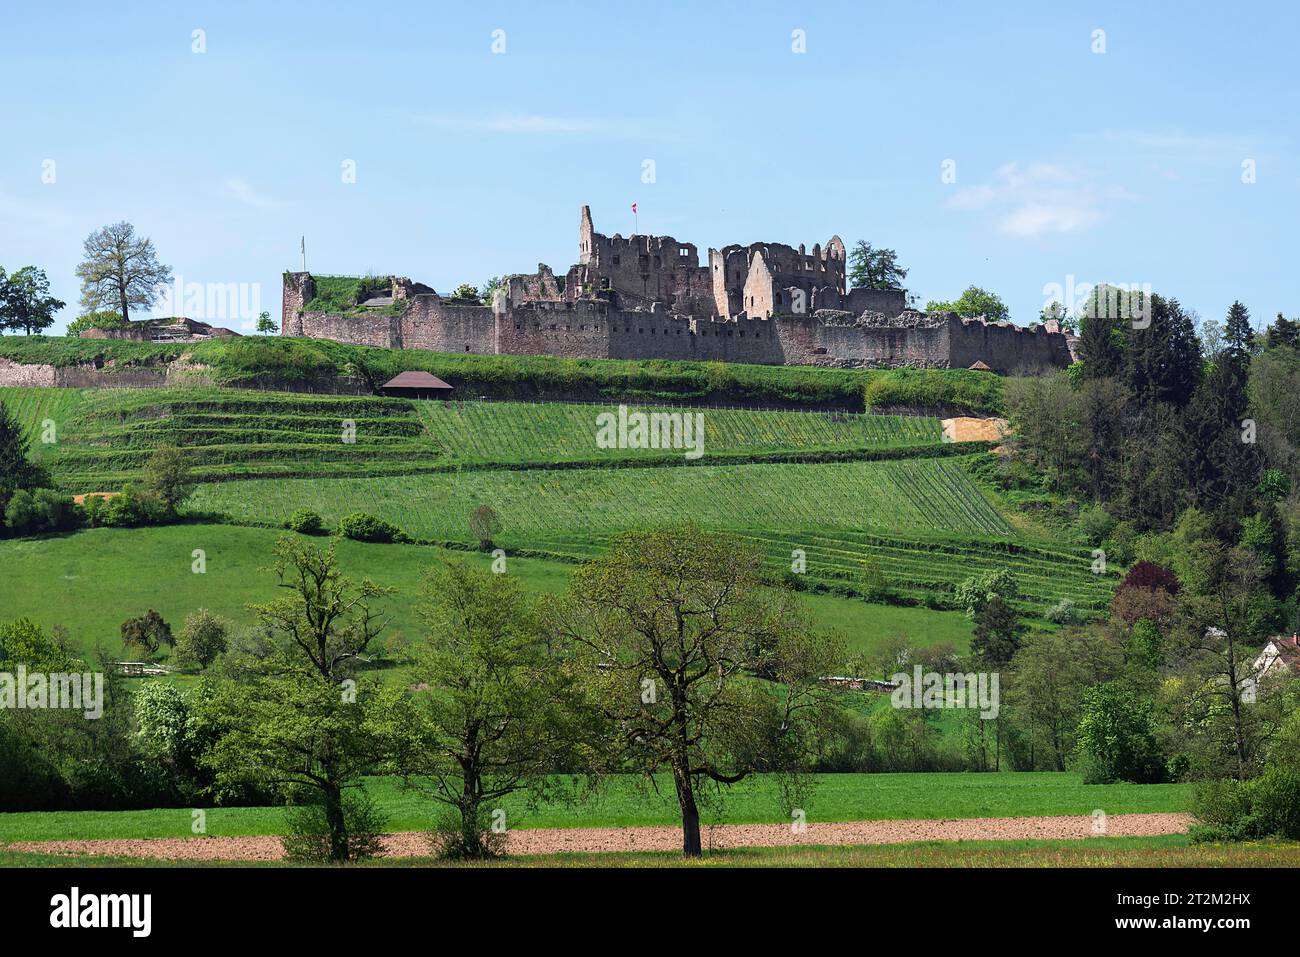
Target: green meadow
{"x":625,"y":802}
{"x":92,"y":580}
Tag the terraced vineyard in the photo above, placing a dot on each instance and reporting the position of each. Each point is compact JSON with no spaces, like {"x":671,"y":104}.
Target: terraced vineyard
{"x":554,"y":431}
{"x":106,"y":436}
{"x":903,"y":494}
{"x":921,"y":567}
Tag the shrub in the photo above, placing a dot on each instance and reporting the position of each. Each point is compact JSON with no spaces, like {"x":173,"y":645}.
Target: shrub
{"x":95,"y":320}
{"x":1150,"y":575}
{"x":23,"y":641}
{"x":1268,"y":806}
{"x":202,"y":639}
{"x":136,"y":506}
{"x":40,"y":511}
{"x":1117,"y":737}
{"x":1095,"y":524}
{"x":484,"y":525}
{"x":1275,"y":801}
{"x":871,"y":580}
{"x":306,"y":521}
{"x":1120,"y":545}
{"x":161,"y":713}
{"x":972,"y":594}
{"x":1063,"y":612}
{"x":308,"y":837}
{"x":450,"y":842}
{"x":935,"y":389}
{"x":94,"y":509}
{"x":368,"y":528}
{"x":167,"y":474}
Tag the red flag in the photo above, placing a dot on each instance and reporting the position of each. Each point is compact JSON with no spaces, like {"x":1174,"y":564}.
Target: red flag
{"x":634,"y":207}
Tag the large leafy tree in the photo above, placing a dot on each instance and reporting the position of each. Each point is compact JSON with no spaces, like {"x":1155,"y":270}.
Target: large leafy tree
{"x":974,"y":302}
{"x":25,"y":300}
{"x":693,"y":665}
{"x":494,"y":711}
{"x":1223,"y":619}
{"x":301,"y":717}
{"x":120,"y":270}
{"x":875,"y":268}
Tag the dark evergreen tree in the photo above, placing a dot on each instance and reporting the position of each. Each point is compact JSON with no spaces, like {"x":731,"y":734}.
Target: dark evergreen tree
{"x":1100,"y":344}
{"x":16,"y":468}
{"x":1164,"y":357}
{"x":1232,"y":368}
{"x":1283,"y":332}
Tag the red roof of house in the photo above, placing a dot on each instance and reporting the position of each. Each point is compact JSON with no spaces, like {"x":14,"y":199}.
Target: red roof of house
{"x":1288,"y":647}
{"x":415,"y":380}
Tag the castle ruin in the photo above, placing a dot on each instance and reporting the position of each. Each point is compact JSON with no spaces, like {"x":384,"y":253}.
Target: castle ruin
{"x":648,"y":297}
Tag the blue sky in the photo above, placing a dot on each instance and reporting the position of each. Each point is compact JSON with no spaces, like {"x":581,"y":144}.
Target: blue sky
{"x":1120,"y":166}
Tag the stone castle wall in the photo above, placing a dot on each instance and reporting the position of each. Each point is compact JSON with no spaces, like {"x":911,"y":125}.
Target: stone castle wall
{"x":648,"y":297}
{"x":597,"y":329}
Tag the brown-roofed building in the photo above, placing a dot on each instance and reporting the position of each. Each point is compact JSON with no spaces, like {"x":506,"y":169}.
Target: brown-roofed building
{"x":979,"y":365}
{"x":417,"y":385}
{"x":1280,"y":653}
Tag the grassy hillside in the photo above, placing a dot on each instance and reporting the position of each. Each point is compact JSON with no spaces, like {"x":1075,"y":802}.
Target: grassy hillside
{"x":93,"y":580}
{"x":426,"y":466}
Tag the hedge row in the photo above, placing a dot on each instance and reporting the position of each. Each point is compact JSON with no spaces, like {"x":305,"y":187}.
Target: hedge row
{"x":283,"y":361}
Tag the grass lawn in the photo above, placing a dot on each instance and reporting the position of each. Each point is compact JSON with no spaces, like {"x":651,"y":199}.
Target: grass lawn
{"x":625,"y":802}
{"x":93,"y":580}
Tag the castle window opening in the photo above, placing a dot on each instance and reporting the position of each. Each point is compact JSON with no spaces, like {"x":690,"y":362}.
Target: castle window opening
{"x":618,"y":260}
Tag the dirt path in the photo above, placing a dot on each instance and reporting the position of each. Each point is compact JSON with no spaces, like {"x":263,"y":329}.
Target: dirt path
{"x":971,"y":429}
{"x":590,"y":839}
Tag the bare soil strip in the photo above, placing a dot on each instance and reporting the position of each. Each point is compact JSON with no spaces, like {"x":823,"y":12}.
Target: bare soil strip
{"x":595,"y":839}
{"x":972,"y":429}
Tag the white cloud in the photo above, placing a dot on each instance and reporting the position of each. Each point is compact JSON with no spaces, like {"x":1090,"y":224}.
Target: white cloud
{"x":241,"y":192}
{"x":1037,"y":198}
{"x":1036,"y":219}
